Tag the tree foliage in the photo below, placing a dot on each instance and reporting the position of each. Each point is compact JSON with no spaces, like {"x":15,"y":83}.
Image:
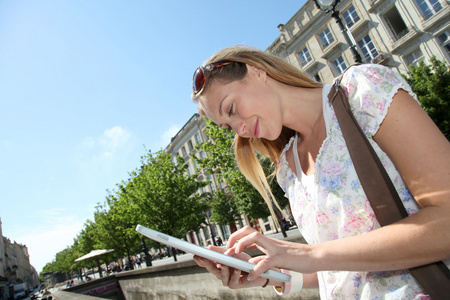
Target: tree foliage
{"x":224,"y":209}
{"x":115,"y":222}
{"x":167,"y":195}
{"x":431,"y":83}
{"x":161,"y":195}
{"x":221,"y":160}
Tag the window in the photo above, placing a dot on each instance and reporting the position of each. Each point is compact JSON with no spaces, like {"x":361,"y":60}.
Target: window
{"x":339,"y":65}
{"x":414,"y":57}
{"x":326,"y":38}
{"x":305,"y":57}
{"x":350,"y":16}
{"x":189,"y":170}
{"x":197,"y":138}
{"x":183,"y":151}
{"x":444,"y":40}
{"x":317,"y":78}
{"x":368,"y":49}
{"x":429,"y":7}
{"x":191,"y":147}
{"x":202,"y":154}
{"x":395,"y":23}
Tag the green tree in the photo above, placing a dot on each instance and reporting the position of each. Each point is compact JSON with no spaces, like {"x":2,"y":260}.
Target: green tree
{"x":431,"y":83}
{"x":116,"y":221}
{"x":87,"y":238}
{"x":224,"y":209}
{"x":221,"y":160}
{"x":167,"y":195}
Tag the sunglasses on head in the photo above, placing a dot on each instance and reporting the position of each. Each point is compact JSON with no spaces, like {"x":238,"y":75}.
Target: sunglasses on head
{"x":199,"y":79}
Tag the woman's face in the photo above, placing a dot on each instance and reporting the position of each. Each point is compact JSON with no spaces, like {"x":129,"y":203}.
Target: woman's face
{"x":249,"y":106}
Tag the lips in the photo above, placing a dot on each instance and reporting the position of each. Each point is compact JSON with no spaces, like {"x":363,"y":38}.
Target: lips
{"x":255,"y":129}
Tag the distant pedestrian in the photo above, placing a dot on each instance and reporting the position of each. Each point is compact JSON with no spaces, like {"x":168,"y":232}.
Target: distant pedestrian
{"x":219,"y":241}
{"x":138,"y":262}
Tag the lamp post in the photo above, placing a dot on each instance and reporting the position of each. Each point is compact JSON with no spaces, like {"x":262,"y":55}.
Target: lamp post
{"x":329,"y":6}
{"x":146,"y":255}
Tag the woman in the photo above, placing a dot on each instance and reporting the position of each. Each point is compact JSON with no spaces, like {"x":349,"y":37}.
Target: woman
{"x":280,"y":113}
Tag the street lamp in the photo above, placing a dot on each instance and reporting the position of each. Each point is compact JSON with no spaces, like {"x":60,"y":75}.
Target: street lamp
{"x":146,"y":255}
{"x":329,"y":6}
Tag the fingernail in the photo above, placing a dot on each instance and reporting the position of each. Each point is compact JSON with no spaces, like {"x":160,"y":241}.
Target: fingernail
{"x":249,"y":278}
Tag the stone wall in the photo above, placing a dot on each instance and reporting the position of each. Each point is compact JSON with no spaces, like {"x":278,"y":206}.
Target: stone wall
{"x":179,"y":280}
{"x":185,"y":280}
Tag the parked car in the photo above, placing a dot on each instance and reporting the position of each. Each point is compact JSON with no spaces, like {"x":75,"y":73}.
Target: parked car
{"x":88,"y":272}
{"x":20,"y":291}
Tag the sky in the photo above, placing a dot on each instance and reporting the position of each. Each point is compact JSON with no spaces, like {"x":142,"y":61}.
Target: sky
{"x":89,"y":86}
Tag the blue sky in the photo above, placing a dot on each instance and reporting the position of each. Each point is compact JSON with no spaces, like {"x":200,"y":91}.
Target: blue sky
{"x":87,"y":87}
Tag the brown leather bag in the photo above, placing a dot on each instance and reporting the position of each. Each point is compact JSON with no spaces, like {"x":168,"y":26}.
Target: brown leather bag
{"x":433,"y":278}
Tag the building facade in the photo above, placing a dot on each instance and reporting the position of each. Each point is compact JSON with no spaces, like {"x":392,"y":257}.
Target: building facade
{"x":15,"y":266}
{"x":184,"y":144}
{"x":395,"y":33}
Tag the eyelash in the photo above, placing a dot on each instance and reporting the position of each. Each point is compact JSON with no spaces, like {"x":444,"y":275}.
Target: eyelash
{"x":230,"y":111}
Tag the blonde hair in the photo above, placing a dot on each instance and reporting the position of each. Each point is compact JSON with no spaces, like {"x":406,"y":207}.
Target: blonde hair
{"x":246,"y":149}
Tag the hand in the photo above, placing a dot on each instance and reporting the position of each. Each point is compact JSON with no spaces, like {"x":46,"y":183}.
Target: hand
{"x":233,"y":278}
{"x":278,"y":254}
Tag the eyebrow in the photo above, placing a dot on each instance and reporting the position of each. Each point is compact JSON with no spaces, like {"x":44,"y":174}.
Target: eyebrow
{"x":220,"y":105}
{"x":220,"y":109}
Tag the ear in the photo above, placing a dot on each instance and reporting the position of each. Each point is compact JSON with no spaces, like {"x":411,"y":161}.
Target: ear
{"x":260,"y":74}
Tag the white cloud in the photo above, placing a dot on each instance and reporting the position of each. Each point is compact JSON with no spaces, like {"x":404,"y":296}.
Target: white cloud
{"x":105,"y":151}
{"x":169,"y":134}
{"x":113,"y":139}
{"x":55,"y":232}
{"x":109,"y":144}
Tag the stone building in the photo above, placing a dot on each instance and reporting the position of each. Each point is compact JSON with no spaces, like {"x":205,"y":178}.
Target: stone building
{"x":395,"y":33}
{"x":15,"y":265}
{"x":183,"y":144}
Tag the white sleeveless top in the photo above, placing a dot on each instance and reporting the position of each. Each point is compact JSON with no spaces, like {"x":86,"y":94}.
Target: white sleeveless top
{"x":331,"y":204}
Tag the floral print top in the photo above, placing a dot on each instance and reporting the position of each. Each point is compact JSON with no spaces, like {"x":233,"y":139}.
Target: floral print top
{"x":331,"y":204}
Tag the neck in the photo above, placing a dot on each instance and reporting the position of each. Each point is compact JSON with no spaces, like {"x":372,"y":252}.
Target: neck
{"x":302,"y":109}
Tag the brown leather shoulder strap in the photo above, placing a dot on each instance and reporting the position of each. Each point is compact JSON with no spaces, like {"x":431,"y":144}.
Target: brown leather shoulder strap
{"x":434,"y":278}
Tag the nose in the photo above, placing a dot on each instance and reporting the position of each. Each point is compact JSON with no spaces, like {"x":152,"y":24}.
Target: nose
{"x":240,"y":127}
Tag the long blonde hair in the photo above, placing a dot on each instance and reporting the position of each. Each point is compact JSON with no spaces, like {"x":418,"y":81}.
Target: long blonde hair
{"x":246,"y":149}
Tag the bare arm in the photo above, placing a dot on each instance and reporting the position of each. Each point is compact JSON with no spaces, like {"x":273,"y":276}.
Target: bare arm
{"x":422,"y":155}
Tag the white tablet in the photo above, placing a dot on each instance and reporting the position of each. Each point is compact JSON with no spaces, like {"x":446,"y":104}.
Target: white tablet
{"x":209,"y":254}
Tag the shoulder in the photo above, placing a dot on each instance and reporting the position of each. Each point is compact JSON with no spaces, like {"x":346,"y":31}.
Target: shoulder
{"x":382,"y":78}
{"x":370,"y":89}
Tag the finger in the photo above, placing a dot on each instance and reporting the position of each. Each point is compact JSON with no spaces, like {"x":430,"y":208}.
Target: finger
{"x":225,"y":275}
{"x":235,"y":279}
{"x":262,"y":266}
{"x":199,"y":261}
{"x":255,"y":260}
{"x":252,"y":239}
{"x":238,"y":235}
{"x":217,"y":249}
{"x":209,"y":266}
{"x":231,"y":252}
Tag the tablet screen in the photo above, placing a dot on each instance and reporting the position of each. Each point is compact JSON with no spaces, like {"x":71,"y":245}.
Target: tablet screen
{"x":209,"y":254}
